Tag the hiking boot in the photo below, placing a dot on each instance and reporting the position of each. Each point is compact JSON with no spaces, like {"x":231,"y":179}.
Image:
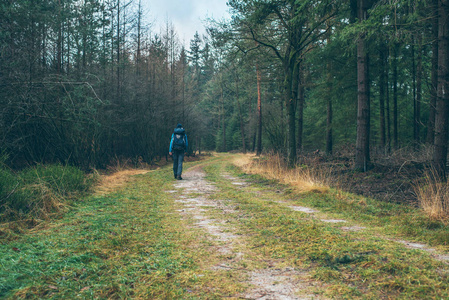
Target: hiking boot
{"x":179,"y":177}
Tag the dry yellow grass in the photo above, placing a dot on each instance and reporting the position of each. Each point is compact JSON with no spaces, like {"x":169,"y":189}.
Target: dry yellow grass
{"x":109,"y":183}
{"x":433,"y":196}
{"x":243,"y":160}
{"x":273,"y":166}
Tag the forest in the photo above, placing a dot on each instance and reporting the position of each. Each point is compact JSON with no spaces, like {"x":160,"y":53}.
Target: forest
{"x":316,"y":165}
{"x":85,"y":83}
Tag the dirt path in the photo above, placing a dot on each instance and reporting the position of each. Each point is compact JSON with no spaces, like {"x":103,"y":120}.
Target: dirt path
{"x":195,"y":198}
{"x":272,"y":283}
{"x":217,"y":235}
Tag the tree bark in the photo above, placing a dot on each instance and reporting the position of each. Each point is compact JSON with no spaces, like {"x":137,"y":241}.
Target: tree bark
{"x":442,"y":108}
{"x":118,"y":51}
{"x":387,"y":104}
{"x":242,"y":127}
{"x":329,"y":144}
{"x":290,"y":101}
{"x":139,"y":36}
{"x":300,"y":108}
{"x":419,"y":72}
{"x":395,"y":97}
{"x":415,"y":125}
{"x":259,"y":111}
{"x":434,"y":76}
{"x":382,"y":87}
{"x":362,"y":155}
{"x":223,"y":121}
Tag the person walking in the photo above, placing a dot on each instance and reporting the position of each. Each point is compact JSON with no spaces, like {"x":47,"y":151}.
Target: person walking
{"x":178,"y":147}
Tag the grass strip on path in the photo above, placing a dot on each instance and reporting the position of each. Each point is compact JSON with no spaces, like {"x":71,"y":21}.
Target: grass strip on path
{"x":349,"y":264}
{"x":391,"y":219}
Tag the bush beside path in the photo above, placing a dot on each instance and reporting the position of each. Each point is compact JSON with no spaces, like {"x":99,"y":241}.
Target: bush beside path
{"x":221,"y":233}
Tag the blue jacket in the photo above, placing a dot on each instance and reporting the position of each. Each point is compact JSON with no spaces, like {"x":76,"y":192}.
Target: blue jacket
{"x":172,"y":138}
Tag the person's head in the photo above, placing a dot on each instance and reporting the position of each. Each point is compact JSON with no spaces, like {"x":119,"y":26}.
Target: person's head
{"x":179,"y":125}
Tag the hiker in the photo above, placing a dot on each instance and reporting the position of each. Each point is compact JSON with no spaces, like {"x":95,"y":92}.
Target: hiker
{"x":178,"y":146}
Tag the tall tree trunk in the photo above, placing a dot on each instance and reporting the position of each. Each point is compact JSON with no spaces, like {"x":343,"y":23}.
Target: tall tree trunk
{"x":252,"y":125}
{"x":419,"y":73}
{"x":183,"y":83}
{"x":104,"y":50}
{"x":139,"y":33}
{"x":329,"y":140}
{"x":362,"y":155}
{"x":300,"y":108}
{"x":223,"y":123}
{"x":442,"y":108}
{"x":290,"y":98}
{"x":59,"y":41}
{"x":59,"y":66}
{"x":329,"y":111}
{"x":68,"y":51}
{"x":242,"y":127}
{"x":415,"y":125}
{"x":290,"y":101}
{"x":388,"y":111}
{"x":291,"y":130}
{"x":434,"y":75}
{"x":118,"y":50}
{"x":395,"y":96}
{"x":259,"y":111}
{"x":382,"y":88}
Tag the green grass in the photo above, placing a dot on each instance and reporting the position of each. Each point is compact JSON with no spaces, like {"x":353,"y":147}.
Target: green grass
{"x":128,"y":244}
{"x":348,"y":264}
{"x":39,"y":191}
{"x":133,"y":243}
{"x":63,"y":180}
{"x":391,"y":219}
{"x":95,"y":250}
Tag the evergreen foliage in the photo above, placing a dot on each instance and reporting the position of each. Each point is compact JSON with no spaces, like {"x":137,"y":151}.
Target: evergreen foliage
{"x":83,"y":83}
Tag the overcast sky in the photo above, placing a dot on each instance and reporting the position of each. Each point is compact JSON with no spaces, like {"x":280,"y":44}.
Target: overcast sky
{"x":187,"y":16}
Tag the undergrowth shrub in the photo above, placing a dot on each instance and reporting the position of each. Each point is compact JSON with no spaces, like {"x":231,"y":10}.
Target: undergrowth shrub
{"x":39,"y":191}
{"x":63,"y":180}
{"x":8,"y":187}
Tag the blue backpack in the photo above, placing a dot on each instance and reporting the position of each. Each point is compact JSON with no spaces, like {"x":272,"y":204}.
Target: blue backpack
{"x":179,"y":139}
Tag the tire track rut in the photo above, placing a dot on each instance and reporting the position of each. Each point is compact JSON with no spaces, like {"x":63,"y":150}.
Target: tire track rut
{"x":269,"y":283}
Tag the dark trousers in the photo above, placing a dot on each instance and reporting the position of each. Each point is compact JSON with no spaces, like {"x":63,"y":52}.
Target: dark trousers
{"x":178,"y":157}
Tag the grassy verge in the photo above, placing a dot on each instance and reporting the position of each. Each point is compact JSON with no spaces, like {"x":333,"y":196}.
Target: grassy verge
{"x":133,"y":243}
{"x":313,"y":189}
{"x":37,"y":193}
{"x":126,"y":244}
{"x":348,"y":264}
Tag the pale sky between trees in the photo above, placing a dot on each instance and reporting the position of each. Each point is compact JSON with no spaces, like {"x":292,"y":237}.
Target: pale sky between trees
{"x":187,"y":16}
